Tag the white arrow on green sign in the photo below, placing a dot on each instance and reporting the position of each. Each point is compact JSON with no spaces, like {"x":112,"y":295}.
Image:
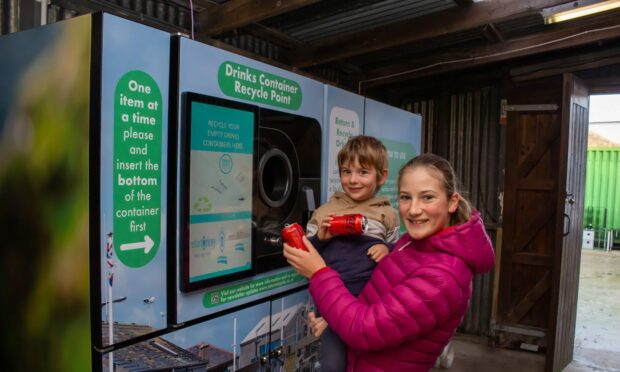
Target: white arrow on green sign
{"x":145,"y":245}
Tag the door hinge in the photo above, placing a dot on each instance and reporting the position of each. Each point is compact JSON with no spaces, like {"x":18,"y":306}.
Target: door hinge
{"x":541,"y":107}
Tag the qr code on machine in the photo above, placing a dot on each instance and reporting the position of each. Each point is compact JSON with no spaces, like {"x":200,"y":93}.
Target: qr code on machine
{"x":215,"y":298}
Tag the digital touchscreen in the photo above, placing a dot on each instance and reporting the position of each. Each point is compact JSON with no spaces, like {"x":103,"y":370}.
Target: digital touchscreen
{"x":218,"y":161}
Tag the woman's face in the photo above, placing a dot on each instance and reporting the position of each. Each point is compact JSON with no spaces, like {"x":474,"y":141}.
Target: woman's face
{"x":423,"y":204}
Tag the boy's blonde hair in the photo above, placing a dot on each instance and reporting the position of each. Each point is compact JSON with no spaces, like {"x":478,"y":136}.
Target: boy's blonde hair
{"x":368,"y":151}
{"x":444,"y":171}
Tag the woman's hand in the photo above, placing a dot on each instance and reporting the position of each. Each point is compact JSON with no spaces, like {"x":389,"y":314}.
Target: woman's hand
{"x":323,"y":234}
{"x":317,"y":325}
{"x":378,"y":251}
{"x":305,"y":263}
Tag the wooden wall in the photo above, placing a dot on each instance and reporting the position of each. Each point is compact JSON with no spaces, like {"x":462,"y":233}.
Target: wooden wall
{"x":464,"y":127}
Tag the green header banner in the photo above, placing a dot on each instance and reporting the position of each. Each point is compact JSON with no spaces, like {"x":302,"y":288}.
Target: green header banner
{"x":237,"y":292}
{"x":254,"y":85}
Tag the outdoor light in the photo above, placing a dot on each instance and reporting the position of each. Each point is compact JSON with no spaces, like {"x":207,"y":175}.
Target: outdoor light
{"x":577,"y":9}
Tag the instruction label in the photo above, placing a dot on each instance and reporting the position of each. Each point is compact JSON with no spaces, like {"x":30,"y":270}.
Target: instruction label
{"x":137,"y":168}
{"x":343,"y":124}
{"x":240,"y":291}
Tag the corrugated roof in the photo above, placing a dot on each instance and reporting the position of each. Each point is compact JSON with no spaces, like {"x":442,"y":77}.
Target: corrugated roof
{"x":337,"y":18}
{"x":155,"y":354}
{"x":215,"y":356}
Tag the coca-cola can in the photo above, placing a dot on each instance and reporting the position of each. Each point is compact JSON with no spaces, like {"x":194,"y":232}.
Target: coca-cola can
{"x":292,"y":235}
{"x":348,"y":224}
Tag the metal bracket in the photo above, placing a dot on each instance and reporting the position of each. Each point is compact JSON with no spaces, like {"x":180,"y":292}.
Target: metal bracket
{"x":541,"y":107}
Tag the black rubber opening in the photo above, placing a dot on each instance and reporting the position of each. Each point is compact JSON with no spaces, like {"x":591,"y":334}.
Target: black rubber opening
{"x":275,"y":177}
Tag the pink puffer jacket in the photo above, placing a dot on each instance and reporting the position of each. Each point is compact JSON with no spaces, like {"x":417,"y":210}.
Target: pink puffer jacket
{"x":413,"y":303}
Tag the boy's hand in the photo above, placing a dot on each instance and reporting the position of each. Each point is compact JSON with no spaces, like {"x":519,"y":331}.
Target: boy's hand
{"x":323,"y":234}
{"x":378,"y":251}
{"x":317,"y":325}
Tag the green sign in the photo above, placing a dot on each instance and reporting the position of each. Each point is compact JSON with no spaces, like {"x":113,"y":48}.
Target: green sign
{"x":399,"y":153}
{"x":240,"y":291}
{"x":137,"y":168}
{"x":250,"y":84}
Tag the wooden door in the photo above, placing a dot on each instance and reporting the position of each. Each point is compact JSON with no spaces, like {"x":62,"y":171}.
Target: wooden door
{"x":566,"y":277}
{"x":537,"y":264}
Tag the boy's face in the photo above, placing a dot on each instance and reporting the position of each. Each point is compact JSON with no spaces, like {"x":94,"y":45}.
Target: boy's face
{"x":360,"y":183}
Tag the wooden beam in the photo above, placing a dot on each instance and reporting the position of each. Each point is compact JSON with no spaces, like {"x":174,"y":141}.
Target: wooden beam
{"x":606,"y":85}
{"x":198,"y":5}
{"x":557,"y":66}
{"x":242,"y":52}
{"x":201,"y":3}
{"x":492,"y":33}
{"x":349,"y":68}
{"x":238,"y":13}
{"x":441,"y":23}
{"x":89,"y":6}
{"x":273,"y":36}
{"x":561,"y":37}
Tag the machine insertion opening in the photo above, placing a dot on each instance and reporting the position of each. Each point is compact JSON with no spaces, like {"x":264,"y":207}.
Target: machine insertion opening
{"x":275,"y":177}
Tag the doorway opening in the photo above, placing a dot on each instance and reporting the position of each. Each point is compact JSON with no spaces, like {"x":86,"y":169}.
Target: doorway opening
{"x":598,"y":305}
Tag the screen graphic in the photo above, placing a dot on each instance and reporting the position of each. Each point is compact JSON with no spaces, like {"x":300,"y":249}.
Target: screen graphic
{"x":219,"y":141}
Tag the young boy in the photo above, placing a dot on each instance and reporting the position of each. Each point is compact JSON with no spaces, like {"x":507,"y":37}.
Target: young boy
{"x":363,"y":167}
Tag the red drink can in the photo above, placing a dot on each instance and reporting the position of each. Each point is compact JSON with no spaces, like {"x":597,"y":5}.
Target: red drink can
{"x":348,"y":224}
{"x":292,"y":235}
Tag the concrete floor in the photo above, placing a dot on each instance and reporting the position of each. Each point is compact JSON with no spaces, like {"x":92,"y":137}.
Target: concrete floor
{"x":472,"y":354}
{"x":597,"y":335}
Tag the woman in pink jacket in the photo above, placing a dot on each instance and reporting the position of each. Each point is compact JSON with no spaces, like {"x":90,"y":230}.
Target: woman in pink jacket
{"x":419,"y":293}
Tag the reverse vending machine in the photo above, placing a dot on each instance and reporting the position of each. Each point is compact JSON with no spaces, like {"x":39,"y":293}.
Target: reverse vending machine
{"x":243,"y":127}
{"x":163,"y":171}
